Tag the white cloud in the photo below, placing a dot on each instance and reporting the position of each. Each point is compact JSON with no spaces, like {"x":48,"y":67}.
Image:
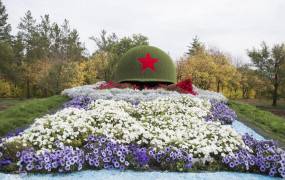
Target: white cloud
{"x":232,"y":26}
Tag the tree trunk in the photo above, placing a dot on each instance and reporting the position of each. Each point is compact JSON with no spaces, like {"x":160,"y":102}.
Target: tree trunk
{"x":275,"y":95}
{"x":28,"y":88}
{"x":243,"y":92}
{"x":218,"y":86}
{"x":45,"y":92}
{"x":275,"y":91}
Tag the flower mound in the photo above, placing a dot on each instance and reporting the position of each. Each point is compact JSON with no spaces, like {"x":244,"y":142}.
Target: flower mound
{"x":102,"y":90}
{"x":150,"y":129}
{"x":163,"y":122}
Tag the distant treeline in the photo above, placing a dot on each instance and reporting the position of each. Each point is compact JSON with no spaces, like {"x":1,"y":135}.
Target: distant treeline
{"x":212,"y":69}
{"x":45,"y":57}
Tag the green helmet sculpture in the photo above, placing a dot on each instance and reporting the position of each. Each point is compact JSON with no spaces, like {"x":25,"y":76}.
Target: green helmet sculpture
{"x":145,"y":64}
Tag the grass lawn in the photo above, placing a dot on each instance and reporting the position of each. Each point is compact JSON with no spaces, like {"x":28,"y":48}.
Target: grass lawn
{"x":21,"y":113}
{"x":265,"y":104}
{"x":265,"y":123}
{"x":8,"y":102}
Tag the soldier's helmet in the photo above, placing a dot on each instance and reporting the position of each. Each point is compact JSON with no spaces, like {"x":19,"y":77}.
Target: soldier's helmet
{"x":145,"y":64}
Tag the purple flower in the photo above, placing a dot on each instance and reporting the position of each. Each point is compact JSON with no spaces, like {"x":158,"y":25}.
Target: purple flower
{"x":67,"y":168}
{"x":122,"y":159}
{"x":221,"y":112}
{"x":232,"y":165}
{"x":188,"y":165}
{"x":127,"y":163}
{"x":119,"y":153}
{"x":102,"y":152}
{"x":80,"y":102}
{"x":106,"y":166}
{"x":29,"y":167}
{"x":264,"y":155}
{"x":96,"y":164}
{"x":141,"y":157}
{"x":116,"y":164}
{"x":5,"y":162}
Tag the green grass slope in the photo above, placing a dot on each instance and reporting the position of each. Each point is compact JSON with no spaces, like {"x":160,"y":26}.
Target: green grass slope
{"x":23,"y":113}
{"x":267,"y":124}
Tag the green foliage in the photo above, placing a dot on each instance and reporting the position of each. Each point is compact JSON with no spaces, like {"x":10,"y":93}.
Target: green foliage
{"x":112,"y":48}
{"x":265,"y":122}
{"x":252,"y":84}
{"x":24,"y":113}
{"x":270,"y":63}
{"x":6,"y":55}
{"x":129,"y":69}
{"x":5,"y":28}
{"x":41,"y":58}
{"x":196,"y":47}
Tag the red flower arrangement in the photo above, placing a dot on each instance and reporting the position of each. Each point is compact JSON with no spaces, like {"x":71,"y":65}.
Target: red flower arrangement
{"x":182,"y":86}
{"x":186,"y":86}
{"x":111,"y":84}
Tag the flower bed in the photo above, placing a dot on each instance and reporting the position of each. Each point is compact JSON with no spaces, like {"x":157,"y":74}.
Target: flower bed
{"x":152,"y":129}
{"x":134,"y":95}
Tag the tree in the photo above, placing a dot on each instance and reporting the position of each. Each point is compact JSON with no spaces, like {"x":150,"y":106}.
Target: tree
{"x":111,"y":47}
{"x":5,"y":28}
{"x":225,"y":71}
{"x":6,"y":56}
{"x":269,"y":63}
{"x":6,"y":51}
{"x":113,"y":44}
{"x":196,"y":47}
{"x":72,"y":48}
{"x":30,"y":37}
{"x":211,"y":69}
{"x":201,"y":68}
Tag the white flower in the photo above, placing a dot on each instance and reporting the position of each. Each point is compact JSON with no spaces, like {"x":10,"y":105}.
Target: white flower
{"x":134,"y":96}
{"x":165,"y":121}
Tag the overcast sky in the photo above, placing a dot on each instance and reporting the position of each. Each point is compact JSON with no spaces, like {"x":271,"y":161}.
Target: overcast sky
{"x":230,"y":25}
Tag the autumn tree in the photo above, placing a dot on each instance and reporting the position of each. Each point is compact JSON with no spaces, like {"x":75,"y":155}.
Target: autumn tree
{"x":225,"y":72}
{"x":39,"y":47}
{"x":209,"y":69}
{"x":269,"y":62}
{"x":201,"y":68}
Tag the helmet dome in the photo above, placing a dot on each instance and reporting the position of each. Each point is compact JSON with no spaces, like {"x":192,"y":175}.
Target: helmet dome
{"x":145,"y":64}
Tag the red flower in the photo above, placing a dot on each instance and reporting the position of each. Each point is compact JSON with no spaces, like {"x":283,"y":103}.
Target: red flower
{"x":186,"y":86}
{"x":109,"y":85}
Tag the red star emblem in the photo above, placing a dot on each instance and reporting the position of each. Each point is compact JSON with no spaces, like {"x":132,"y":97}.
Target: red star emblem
{"x":147,"y":62}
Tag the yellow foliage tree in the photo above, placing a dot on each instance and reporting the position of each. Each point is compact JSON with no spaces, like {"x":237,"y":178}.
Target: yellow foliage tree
{"x":72,"y":75}
{"x":90,"y":71}
{"x":210,"y":70}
